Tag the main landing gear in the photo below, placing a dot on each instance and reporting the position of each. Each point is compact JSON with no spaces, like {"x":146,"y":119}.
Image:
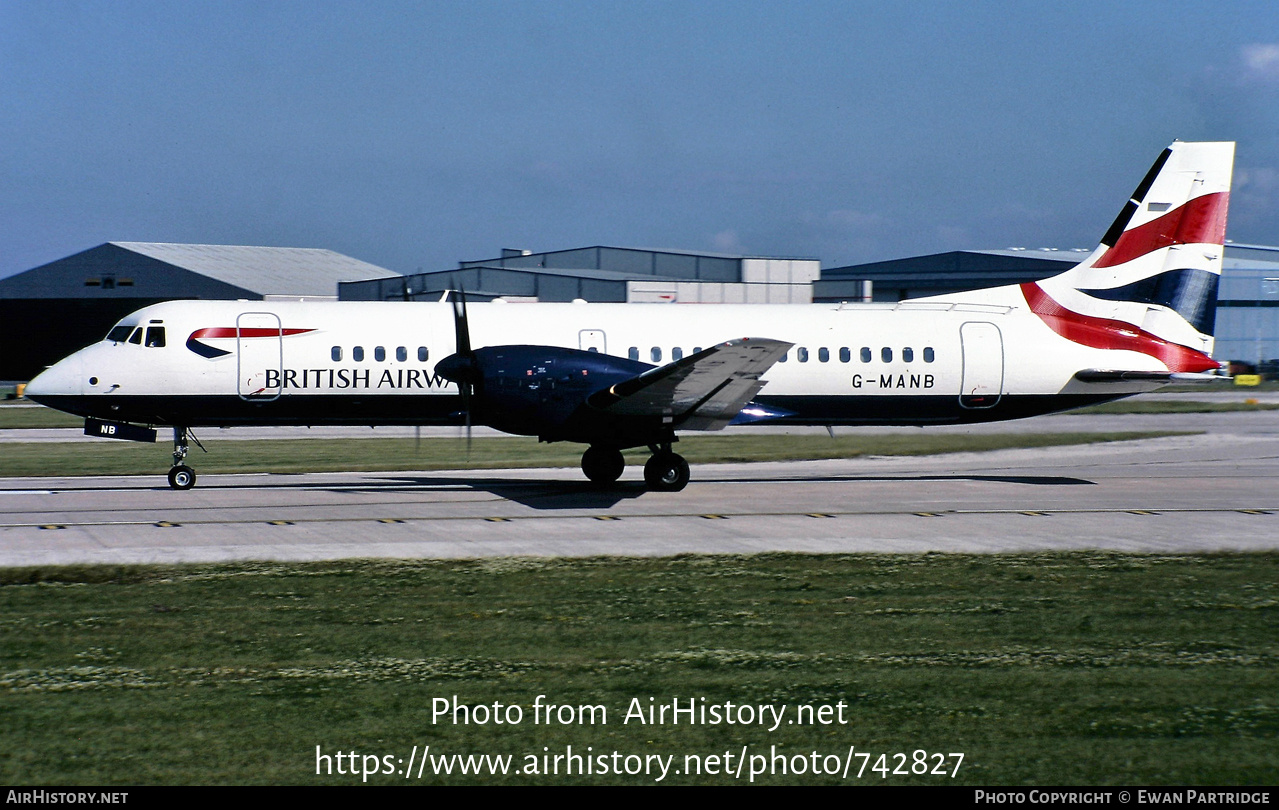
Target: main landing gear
{"x":180,"y":475}
{"x":603,"y":465}
{"x":665,"y":471}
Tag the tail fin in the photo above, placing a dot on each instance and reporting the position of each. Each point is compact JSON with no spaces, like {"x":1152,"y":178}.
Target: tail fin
{"x":1158,"y":265}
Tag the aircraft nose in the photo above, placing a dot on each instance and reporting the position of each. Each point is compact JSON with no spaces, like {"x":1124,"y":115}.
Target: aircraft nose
{"x":64,"y":378}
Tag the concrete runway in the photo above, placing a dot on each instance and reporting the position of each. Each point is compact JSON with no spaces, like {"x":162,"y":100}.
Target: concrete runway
{"x":1209,"y":492}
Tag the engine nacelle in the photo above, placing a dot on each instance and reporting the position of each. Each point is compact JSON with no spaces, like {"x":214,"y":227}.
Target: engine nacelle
{"x":533,"y":390}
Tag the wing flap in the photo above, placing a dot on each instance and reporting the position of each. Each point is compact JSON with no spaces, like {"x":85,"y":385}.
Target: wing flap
{"x":703,"y":391}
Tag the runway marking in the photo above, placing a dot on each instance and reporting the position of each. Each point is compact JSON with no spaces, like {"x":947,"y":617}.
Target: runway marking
{"x":164,"y":524}
{"x":279,"y":523}
{"x":196,"y":521}
{"x":819,"y":515}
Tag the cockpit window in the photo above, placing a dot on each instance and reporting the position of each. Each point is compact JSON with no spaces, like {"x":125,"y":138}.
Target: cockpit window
{"x":119,"y":333}
{"x":155,"y":337}
{"x":136,"y":337}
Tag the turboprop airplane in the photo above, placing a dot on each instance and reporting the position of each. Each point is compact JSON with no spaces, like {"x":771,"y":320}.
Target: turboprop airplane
{"x":1135,"y":315}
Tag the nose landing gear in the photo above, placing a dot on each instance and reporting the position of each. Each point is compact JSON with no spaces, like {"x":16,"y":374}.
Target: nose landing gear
{"x":180,"y":475}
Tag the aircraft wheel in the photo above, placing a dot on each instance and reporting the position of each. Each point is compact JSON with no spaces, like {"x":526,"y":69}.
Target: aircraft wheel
{"x":666,"y":472}
{"x":603,"y":465}
{"x":182,"y":477}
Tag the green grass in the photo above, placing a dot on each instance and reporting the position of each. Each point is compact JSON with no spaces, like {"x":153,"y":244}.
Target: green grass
{"x":106,"y":457}
{"x":24,"y":416}
{"x":1066,"y":669}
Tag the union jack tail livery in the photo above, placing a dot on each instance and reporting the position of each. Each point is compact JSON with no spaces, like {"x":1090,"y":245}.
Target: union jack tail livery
{"x":1151,"y":285}
{"x":1157,"y":267}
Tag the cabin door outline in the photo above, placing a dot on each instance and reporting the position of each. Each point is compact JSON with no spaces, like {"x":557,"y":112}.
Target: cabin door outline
{"x":983,"y":371}
{"x":259,"y":345}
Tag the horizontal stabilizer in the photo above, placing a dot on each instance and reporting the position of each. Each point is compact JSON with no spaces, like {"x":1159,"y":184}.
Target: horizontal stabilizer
{"x":1097,"y":375}
{"x":704,"y":391}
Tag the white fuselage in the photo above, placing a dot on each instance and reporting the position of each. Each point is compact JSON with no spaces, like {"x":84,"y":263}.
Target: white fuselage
{"x":267,"y":362}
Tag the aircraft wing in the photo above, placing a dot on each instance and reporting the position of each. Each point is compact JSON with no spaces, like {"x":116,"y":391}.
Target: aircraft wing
{"x":703,"y":391}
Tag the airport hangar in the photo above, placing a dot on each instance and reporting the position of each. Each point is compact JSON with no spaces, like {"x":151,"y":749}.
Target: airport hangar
{"x":56,"y":308}
{"x":52,"y":310}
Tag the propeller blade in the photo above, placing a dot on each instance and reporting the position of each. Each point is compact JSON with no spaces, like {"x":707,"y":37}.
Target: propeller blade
{"x":461,"y":330}
{"x":465,"y":363}
{"x":468,"y":435}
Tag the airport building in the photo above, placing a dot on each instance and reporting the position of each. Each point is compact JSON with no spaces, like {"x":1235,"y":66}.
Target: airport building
{"x":940,"y":273}
{"x":607,"y":274}
{"x":52,"y":310}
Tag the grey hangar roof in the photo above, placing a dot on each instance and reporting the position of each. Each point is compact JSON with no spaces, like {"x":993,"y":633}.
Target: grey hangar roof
{"x":164,"y":270}
{"x":56,"y":308}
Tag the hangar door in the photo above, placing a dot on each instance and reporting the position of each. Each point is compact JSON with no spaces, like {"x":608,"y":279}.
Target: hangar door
{"x":983,"y":379}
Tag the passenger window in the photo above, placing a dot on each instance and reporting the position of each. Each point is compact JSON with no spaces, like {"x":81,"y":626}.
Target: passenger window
{"x":928,"y":354}
{"x":865,"y":354}
{"x":357,"y":354}
{"x":697,"y":349}
{"x":136,"y":337}
{"x":402,"y":354}
{"x":677,"y":353}
{"x":633,"y":352}
{"x":844,"y":354}
{"x":379,"y":354}
{"x":784,"y":358}
{"x":886,"y":354}
{"x":823,"y":354}
{"x":422,"y":354}
{"x":336,"y":354}
{"x":802,"y":354}
{"x":155,"y":337}
{"x":656,"y":354}
{"x":908,"y":355}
